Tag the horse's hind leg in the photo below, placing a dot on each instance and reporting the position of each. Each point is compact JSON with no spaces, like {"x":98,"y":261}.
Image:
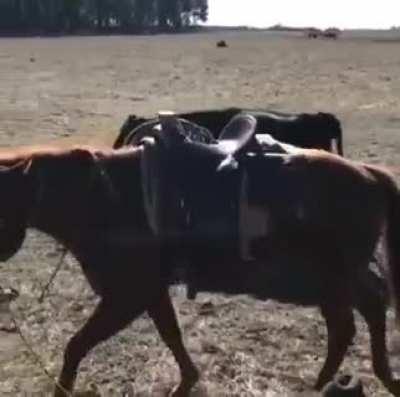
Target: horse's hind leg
{"x":107,"y":319}
{"x":341,"y":330}
{"x":164,"y":317}
{"x":371,"y":303}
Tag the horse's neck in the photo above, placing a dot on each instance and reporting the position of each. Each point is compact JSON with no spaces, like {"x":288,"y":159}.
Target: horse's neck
{"x":56,"y":214}
{"x":76,"y":209}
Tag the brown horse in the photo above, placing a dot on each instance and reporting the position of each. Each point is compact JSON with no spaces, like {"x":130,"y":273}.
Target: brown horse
{"x":92,"y":202}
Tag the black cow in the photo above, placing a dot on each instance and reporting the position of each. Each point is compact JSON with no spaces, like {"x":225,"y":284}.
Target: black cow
{"x":307,"y":130}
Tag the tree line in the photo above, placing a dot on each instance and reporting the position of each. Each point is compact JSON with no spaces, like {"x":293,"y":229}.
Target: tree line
{"x":69,"y":16}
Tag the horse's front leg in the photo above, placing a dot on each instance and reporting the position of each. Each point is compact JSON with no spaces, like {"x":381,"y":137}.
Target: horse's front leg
{"x":164,"y":317}
{"x":108,"y":318}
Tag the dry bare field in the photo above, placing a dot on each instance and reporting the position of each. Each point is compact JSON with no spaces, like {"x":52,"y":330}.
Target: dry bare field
{"x":65,"y":90}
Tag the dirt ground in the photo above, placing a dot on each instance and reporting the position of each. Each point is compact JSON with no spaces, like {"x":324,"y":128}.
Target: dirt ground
{"x":80,"y":90}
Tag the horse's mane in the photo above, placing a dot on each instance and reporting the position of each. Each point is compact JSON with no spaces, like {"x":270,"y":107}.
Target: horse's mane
{"x":11,"y":156}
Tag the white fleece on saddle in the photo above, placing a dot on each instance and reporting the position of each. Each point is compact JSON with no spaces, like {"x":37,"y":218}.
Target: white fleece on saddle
{"x":271,"y":145}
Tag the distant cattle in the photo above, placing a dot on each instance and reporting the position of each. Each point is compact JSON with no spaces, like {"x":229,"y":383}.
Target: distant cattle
{"x":331,"y":33}
{"x":222,"y":44}
{"x":313,"y":33}
{"x":307,"y":130}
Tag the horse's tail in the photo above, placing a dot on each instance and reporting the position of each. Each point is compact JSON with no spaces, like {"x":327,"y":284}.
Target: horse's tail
{"x":392,"y":235}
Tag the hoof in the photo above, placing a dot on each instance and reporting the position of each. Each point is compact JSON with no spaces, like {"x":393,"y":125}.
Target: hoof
{"x":393,"y":386}
{"x":186,"y":386}
{"x":344,"y":386}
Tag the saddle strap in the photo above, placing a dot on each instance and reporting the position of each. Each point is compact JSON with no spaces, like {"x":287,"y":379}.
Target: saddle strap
{"x":162,"y":202}
{"x":153,"y":186}
{"x":253,"y":220}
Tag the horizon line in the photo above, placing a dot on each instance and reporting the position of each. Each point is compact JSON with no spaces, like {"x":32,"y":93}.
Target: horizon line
{"x":300,"y":27}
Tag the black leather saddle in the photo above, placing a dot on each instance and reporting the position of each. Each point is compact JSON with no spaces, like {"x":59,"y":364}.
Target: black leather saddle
{"x":193,"y":190}
{"x":237,"y":135}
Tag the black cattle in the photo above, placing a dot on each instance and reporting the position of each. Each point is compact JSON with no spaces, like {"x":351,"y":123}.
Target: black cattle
{"x":307,"y":130}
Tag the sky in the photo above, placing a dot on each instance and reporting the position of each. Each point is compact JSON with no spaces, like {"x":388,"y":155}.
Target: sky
{"x":343,"y":14}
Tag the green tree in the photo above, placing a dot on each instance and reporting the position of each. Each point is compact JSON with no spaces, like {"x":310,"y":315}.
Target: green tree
{"x":70,"y":15}
{"x":142,"y":10}
{"x":194,"y":11}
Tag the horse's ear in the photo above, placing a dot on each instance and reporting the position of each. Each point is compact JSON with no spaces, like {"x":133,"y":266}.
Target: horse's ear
{"x":82,"y":154}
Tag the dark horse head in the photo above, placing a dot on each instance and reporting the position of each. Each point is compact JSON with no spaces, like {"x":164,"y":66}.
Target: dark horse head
{"x":16,"y":199}
{"x":35,"y":184}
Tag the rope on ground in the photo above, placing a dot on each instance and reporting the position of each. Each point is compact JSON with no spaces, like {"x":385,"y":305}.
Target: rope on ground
{"x":46,"y":288}
{"x":35,"y":356}
{"x":8,"y":296}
